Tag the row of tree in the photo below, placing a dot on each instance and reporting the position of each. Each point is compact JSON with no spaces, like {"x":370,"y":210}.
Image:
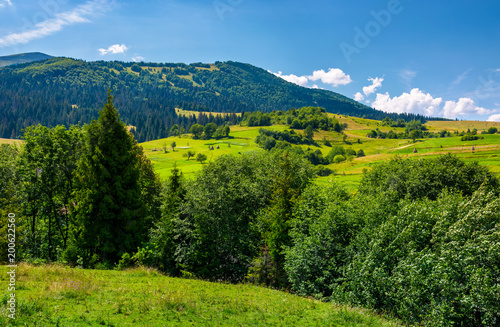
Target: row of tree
{"x":82,"y":195}
{"x":418,"y":240}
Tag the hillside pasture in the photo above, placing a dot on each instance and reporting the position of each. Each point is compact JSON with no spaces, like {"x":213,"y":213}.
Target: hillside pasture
{"x":348,"y":173}
{"x":54,"y":295}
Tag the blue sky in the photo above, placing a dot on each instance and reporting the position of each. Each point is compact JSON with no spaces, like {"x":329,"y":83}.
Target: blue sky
{"x":438,"y":58}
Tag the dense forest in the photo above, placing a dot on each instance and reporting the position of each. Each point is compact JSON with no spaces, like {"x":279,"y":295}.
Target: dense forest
{"x":63,"y":91}
{"x":418,"y":240}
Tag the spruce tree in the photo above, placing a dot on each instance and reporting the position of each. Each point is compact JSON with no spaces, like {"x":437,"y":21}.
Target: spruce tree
{"x":109,"y":211}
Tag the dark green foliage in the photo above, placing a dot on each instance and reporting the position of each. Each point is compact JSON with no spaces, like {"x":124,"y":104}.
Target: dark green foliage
{"x":196,"y":130}
{"x":267,"y":138}
{"x":471,"y":137}
{"x":426,"y":177}
{"x":257,"y":118}
{"x":335,"y":151}
{"x":491,"y":130}
{"x":309,"y":132}
{"x":201,"y":157}
{"x":217,"y":224}
{"x":292,"y":178}
{"x":323,"y":171}
{"x":46,"y":165}
{"x":159,"y":252}
{"x":136,"y":68}
{"x":110,"y":213}
{"x":209,"y":130}
{"x":9,"y":202}
{"x":66,"y":91}
{"x":322,"y":228}
{"x":434,"y":262}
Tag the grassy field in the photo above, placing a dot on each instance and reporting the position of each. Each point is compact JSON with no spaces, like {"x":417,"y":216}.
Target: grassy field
{"x":10,"y":141}
{"x":60,"y":296}
{"x":349,"y":173}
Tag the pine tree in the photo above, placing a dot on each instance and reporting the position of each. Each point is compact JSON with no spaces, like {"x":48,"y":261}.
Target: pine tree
{"x":108,"y":206}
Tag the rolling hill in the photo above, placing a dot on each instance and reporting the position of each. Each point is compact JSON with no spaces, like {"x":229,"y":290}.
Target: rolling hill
{"x":68,"y":91}
{"x":349,"y":173}
{"x":22,"y":58}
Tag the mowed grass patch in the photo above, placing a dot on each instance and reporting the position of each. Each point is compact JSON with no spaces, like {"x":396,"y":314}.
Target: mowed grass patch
{"x":241,"y":139}
{"x":348,"y":173}
{"x":53,"y":295}
{"x":461,"y":125}
{"x":10,"y":141}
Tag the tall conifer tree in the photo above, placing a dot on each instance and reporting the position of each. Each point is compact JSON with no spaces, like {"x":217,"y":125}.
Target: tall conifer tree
{"x":108,"y":206}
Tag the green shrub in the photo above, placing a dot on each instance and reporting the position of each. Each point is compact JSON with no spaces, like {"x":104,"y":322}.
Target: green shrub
{"x":338,"y":158}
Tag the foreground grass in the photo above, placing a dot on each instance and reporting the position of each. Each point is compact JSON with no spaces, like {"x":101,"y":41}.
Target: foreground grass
{"x":54,"y":295}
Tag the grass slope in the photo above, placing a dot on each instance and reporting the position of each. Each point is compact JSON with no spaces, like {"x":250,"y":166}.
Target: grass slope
{"x":59,"y":296}
{"x":486,"y":151}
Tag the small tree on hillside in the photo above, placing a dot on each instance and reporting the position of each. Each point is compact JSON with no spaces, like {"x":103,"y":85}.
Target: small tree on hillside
{"x":201,"y":157}
{"x":196,"y":130}
{"x":189,"y":154}
{"x":173,"y":145}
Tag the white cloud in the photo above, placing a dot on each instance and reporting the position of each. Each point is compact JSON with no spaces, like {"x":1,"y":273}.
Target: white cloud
{"x":50,"y":26}
{"x":494,"y":118}
{"x":299,"y":80}
{"x":138,"y":59}
{"x":359,"y":97}
{"x":114,"y":49}
{"x":2,"y":5}
{"x":376,"y":83}
{"x":334,"y":76}
{"x":464,"y":106}
{"x":416,"y":102}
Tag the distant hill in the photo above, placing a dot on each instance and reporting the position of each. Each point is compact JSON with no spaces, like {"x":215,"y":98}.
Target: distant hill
{"x":68,"y":91}
{"x":22,"y":58}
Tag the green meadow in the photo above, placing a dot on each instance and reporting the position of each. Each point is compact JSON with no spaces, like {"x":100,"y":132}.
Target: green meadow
{"x":349,"y":173}
{"x":53,"y":295}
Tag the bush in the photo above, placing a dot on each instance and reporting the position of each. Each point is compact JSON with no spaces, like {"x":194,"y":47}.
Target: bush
{"x":471,"y":137}
{"x":338,"y":158}
{"x":434,"y":262}
{"x":323,"y":171}
{"x":125,"y":262}
{"x":426,"y":177}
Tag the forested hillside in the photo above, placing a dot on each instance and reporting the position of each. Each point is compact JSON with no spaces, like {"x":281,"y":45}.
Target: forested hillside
{"x":67,"y":91}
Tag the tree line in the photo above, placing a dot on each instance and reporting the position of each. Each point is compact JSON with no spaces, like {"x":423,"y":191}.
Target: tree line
{"x":419,"y":239}
{"x":64,"y":91}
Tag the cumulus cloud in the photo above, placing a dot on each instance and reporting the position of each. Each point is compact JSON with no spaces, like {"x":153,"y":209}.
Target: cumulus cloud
{"x":494,"y":118}
{"x":359,"y":97}
{"x":80,"y":14}
{"x":137,"y":59}
{"x":376,"y":83}
{"x":114,"y":49}
{"x":334,"y":77}
{"x":416,"y":102}
{"x":463,"y":106}
{"x":299,"y":80}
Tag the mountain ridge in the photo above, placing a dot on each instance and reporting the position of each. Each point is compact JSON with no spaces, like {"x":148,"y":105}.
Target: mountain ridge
{"x":68,"y":91}
{"x":22,"y":58}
